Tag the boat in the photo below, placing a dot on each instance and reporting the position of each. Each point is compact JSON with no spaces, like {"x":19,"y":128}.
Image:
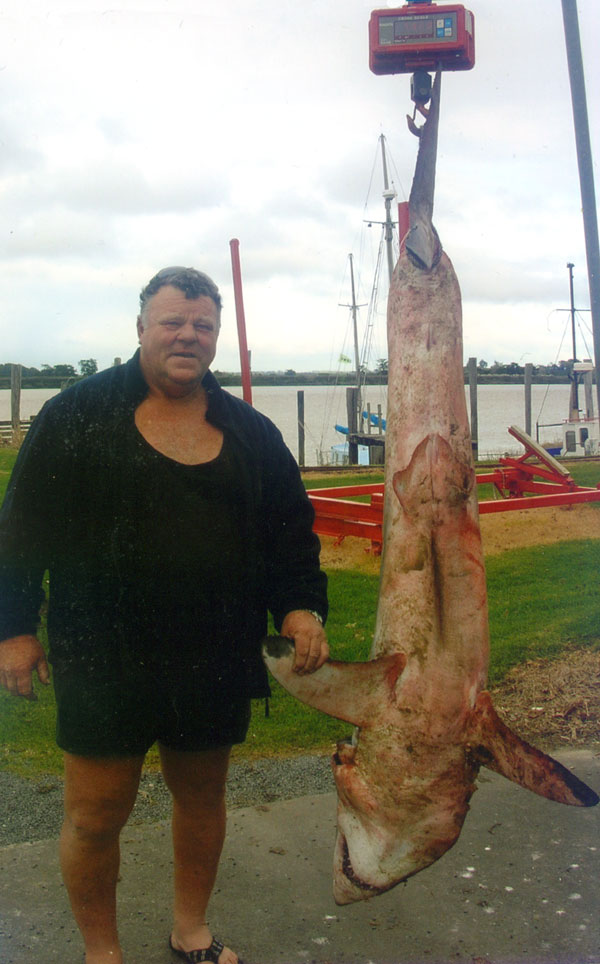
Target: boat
{"x":370,"y":418}
{"x":581,"y":430}
{"x":364,"y":435}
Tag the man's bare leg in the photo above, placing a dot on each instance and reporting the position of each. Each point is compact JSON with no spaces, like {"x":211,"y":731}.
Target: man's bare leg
{"x":197,"y":782}
{"x":99,"y":796}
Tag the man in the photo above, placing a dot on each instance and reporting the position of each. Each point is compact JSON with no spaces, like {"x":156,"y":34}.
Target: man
{"x":171,"y":517}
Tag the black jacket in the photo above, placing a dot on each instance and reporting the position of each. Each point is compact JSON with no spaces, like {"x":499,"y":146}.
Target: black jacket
{"x":60,"y":515}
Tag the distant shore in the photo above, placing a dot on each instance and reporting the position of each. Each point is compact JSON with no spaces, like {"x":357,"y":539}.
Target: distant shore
{"x":301,"y":379}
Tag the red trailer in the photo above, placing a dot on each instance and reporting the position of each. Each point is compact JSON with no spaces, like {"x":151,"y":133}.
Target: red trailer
{"x":530,"y":481}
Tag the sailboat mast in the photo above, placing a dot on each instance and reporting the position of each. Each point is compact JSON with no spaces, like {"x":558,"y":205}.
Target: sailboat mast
{"x":572,"y":309}
{"x":354,"y":308}
{"x":574,"y":401}
{"x":586,"y":170}
{"x":388,"y":196}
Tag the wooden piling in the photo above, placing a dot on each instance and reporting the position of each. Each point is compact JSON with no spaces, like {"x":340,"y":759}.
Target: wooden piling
{"x":352,"y":397}
{"x":301,"y":453}
{"x":589,"y":398}
{"x":473,"y":399}
{"x":527,"y":382}
{"x":15,"y":402}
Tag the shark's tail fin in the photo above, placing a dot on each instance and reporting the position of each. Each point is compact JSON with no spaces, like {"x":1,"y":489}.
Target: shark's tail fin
{"x":494,"y":745}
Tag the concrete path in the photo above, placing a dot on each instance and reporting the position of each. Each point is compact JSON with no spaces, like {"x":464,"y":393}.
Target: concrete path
{"x":521,"y":886}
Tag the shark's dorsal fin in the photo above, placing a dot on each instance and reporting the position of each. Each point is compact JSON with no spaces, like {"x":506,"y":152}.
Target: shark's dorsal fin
{"x":352,"y":692}
{"x":492,"y":744}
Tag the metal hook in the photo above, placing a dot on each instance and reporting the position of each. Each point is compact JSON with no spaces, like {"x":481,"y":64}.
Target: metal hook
{"x":420,"y":93}
{"x":424,"y":111}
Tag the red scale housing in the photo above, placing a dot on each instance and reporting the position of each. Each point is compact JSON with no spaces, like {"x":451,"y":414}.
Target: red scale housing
{"x":421,"y":36}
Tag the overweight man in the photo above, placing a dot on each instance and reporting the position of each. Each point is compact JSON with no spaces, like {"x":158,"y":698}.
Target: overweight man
{"x":171,"y":518}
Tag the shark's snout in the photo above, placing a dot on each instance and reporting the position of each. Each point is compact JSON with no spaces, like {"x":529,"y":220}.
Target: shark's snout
{"x":391,"y":823}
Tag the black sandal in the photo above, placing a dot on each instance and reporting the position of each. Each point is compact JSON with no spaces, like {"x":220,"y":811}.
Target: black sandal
{"x":211,"y":953}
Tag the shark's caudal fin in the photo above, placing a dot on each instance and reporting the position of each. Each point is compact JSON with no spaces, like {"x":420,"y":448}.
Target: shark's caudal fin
{"x":494,"y":745}
{"x":422,"y":242}
{"x":353,"y":692}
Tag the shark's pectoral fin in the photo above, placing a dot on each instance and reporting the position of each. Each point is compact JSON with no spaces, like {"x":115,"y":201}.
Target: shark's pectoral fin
{"x":492,"y":744}
{"x":353,"y":692}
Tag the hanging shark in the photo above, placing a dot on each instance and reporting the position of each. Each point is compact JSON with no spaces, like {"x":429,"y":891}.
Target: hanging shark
{"x":424,"y":721}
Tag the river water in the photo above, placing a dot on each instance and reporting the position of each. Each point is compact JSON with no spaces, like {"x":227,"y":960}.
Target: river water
{"x":498,"y":407}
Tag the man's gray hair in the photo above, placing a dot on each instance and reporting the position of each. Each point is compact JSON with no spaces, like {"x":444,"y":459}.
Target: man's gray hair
{"x":193,"y":283}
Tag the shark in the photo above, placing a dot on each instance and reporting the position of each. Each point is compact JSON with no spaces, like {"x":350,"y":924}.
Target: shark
{"x":424,"y":723}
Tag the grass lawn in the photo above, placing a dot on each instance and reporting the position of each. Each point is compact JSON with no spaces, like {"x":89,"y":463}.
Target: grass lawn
{"x":7,"y":460}
{"x":541,"y":600}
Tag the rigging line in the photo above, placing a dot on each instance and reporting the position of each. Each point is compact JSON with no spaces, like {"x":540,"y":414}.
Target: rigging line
{"x":393,"y":164}
{"x":368,"y":332}
{"x":330,"y":396}
{"x":344,"y":280}
{"x":383,"y":391}
{"x":580,"y":324}
{"x":372,"y":176}
{"x":364,"y":346}
{"x":335,"y":364}
{"x":372,"y":312}
{"x":368,"y":222}
{"x":561,"y":341}
{"x":377,"y":283}
{"x":543,"y":402}
{"x":312,"y":437}
{"x":587,"y":347}
{"x":366,"y":254}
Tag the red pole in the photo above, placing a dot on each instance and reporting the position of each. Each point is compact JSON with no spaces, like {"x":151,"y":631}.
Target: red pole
{"x":234,"y":244}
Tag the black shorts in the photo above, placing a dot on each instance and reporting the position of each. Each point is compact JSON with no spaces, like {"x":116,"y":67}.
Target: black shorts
{"x":99,"y":717}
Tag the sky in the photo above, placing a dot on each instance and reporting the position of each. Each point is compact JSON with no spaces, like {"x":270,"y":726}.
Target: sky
{"x":143,"y":133}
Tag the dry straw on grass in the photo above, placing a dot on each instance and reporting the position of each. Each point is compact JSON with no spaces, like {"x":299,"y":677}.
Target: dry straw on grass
{"x":553,"y":703}
{"x":549,"y":702}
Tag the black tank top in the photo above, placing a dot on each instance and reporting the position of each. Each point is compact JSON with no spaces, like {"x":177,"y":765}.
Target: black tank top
{"x":185,"y":553}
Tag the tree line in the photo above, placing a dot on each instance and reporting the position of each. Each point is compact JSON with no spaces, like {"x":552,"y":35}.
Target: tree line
{"x":63,"y":374}
{"x":562,"y":369}
{"x":87,"y":366}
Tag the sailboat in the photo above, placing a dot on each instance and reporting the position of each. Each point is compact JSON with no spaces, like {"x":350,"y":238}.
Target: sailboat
{"x":365,"y":429}
{"x":581,"y":429}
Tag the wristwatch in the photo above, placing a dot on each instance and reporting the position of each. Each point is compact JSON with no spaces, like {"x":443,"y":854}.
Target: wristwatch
{"x":317,"y":615}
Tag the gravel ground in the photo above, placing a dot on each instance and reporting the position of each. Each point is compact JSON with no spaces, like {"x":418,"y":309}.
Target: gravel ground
{"x":32,"y":809}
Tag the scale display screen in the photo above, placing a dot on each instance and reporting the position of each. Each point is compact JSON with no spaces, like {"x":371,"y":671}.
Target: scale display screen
{"x":397,"y":30}
{"x":427,"y":37}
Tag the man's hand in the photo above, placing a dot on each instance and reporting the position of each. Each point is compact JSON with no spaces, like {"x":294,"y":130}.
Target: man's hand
{"x":309,"y":639}
{"x":19,"y":657}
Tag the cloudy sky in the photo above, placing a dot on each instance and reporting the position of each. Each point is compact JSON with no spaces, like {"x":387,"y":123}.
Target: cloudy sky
{"x":140,"y":133}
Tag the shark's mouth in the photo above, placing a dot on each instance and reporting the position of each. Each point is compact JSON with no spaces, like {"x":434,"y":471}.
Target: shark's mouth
{"x":344,"y":757}
{"x":348,"y":871}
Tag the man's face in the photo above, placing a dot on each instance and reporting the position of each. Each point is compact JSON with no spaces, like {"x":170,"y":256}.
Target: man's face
{"x":178,"y":338}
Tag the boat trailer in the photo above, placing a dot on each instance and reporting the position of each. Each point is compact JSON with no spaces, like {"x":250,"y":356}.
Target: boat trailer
{"x":518,"y":483}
